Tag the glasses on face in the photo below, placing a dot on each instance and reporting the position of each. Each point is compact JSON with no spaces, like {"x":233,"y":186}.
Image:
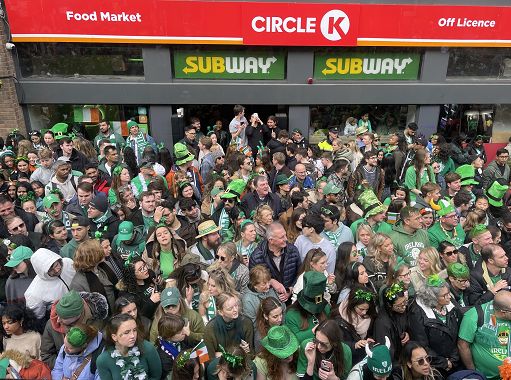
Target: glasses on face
{"x":220,"y":158}
{"x":407,"y":274}
{"x":445,"y":296}
{"x":450,"y":253}
{"x":462,"y":280}
{"x":18,"y":227}
{"x":504,"y":157}
{"x":424,"y":360}
{"x":229,"y":200}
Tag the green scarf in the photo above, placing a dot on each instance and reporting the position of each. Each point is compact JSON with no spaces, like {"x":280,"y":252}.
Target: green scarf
{"x":211,"y":310}
{"x":204,"y":251}
{"x":103,"y":217}
{"x":138,"y":144}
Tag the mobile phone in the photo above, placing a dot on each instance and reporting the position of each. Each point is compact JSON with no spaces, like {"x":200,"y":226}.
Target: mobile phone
{"x":326,"y":365}
{"x":242,"y":123}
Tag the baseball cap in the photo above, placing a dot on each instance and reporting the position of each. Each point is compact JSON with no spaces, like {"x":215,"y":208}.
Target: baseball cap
{"x":18,"y":255}
{"x":125,"y":231}
{"x":50,"y":199}
{"x":170,"y":297}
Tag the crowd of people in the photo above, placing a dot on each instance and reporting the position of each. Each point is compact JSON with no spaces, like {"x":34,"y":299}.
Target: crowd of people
{"x":246,"y":252}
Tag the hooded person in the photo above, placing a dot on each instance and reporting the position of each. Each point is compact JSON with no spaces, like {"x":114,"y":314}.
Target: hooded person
{"x":54,"y":275}
{"x":102,"y":218}
{"x":77,"y":356}
{"x":24,"y":365}
{"x":376,"y":365}
{"x":72,"y":309}
{"x":408,"y":236}
{"x":227,"y":216}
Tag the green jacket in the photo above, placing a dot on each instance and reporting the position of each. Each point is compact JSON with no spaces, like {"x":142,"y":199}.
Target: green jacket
{"x":150,"y":360}
{"x":407,"y":245}
{"x":294,"y":322}
{"x":69,"y":249}
{"x":437,"y":235}
{"x":196,"y":326}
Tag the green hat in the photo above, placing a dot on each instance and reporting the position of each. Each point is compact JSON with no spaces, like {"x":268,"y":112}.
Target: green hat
{"x":4,"y":364}
{"x":477,"y":230}
{"x":311,"y":296}
{"x":467,"y":174}
{"x":495,"y":194}
{"x":50,"y":199}
{"x":234,"y":189}
{"x":76,"y":337}
{"x":125,"y":231}
{"x":370,"y":203}
{"x":379,"y":361}
{"x":182,"y":154}
{"x":458,"y":270}
{"x":70,"y":305}
{"x":18,"y":255}
{"x":59,"y":130}
{"x":215,"y":191}
{"x":170,"y":297}
{"x":281,"y":179}
{"x":445,"y":207}
{"x":131,"y":123}
{"x":206,"y":228}
{"x":330,"y":188}
{"x":280,"y":341}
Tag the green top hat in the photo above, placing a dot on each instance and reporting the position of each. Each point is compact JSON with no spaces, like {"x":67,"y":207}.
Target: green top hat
{"x":182,"y":154}
{"x":281,"y":179}
{"x":467,"y":174}
{"x":18,"y":255}
{"x":370,"y":203}
{"x":330,"y":188}
{"x":234,"y":189}
{"x":495,"y":194}
{"x":280,"y":341}
{"x":445,"y":207}
{"x":59,"y":130}
{"x":311,"y":296}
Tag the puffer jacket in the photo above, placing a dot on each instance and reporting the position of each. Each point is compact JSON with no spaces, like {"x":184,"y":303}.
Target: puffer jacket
{"x":289,"y":266}
{"x":439,"y":338}
{"x":67,"y":364}
{"x":44,"y":289}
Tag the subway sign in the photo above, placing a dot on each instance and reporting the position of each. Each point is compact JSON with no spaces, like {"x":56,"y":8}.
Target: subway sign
{"x":229,"y":65}
{"x":366,"y":66}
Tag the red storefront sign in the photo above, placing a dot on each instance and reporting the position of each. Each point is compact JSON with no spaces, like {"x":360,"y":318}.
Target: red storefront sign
{"x":254,"y":23}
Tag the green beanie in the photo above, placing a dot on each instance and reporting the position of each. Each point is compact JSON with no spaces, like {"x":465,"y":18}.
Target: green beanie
{"x":70,"y":305}
{"x":478,"y":230}
{"x":379,"y":361}
{"x":76,"y":337}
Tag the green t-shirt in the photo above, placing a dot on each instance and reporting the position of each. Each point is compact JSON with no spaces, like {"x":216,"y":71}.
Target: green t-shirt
{"x":489,"y":343}
{"x":166,"y":263}
{"x":495,"y":279}
{"x":301,"y":367}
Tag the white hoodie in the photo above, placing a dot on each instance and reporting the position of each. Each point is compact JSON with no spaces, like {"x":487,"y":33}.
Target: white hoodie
{"x":44,"y":289}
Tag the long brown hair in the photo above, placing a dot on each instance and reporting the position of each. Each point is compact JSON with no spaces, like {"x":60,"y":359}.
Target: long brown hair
{"x":273,"y":364}
{"x":333,"y":332}
{"x":266,"y":306}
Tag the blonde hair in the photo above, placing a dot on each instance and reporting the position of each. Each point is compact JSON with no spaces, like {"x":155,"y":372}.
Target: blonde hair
{"x":374,"y":249}
{"x":366,"y":228}
{"x":85,"y":146}
{"x":431,"y":254}
{"x":45,"y":154}
{"x":88,"y":254}
{"x":259,"y":212}
{"x":473,"y":218}
{"x":259,"y":274}
{"x":24,"y":146}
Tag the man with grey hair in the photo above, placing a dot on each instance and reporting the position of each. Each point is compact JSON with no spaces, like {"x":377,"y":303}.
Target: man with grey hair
{"x":261,"y":195}
{"x":280,"y":257}
{"x":484,"y":332}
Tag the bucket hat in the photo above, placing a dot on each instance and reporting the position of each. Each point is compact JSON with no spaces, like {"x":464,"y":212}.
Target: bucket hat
{"x":280,"y":341}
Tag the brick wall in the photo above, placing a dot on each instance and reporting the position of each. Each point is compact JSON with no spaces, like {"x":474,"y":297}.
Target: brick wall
{"x":11,"y":115}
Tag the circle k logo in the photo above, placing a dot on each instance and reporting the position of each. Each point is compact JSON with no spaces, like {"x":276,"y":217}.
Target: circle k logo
{"x":335,"y":24}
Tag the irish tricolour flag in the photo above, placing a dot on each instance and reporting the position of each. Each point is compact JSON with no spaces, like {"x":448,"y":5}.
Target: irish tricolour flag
{"x":200,"y":351}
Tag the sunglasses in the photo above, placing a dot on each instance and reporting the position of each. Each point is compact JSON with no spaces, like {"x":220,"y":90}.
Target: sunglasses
{"x":18,"y":227}
{"x":221,"y":258}
{"x":424,"y":360}
{"x":450,"y":253}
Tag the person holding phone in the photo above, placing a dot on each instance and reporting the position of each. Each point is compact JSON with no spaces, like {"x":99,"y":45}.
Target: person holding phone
{"x":237,"y":127}
{"x":324,"y":357}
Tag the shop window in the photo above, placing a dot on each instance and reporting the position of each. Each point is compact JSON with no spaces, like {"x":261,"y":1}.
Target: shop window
{"x":85,"y":118}
{"x":57,"y":60}
{"x":384,"y":119}
{"x":479,"y":63}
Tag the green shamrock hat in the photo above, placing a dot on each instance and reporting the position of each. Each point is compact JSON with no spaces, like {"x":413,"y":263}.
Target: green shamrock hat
{"x":445,"y":207}
{"x":467,"y":174}
{"x":59,"y":130}
{"x":182,"y":154}
{"x":371,"y":204}
{"x":495,"y":194}
{"x":234,"y":189}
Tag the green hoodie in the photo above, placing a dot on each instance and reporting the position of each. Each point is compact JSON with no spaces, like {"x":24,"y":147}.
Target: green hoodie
{"x":136,"y":246}
{"x":408,"y":245}
{"x":69,"y":249}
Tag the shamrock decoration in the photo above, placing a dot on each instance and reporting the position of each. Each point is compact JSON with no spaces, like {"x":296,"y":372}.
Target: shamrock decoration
{"x":234,"y":361}
{"x":435,"y":281}
{"x":98,"y":235}
{"x":392,"y":292}
{"x":30,"y":196}
{"x":362,"y":295}
{"x":183,"y":358}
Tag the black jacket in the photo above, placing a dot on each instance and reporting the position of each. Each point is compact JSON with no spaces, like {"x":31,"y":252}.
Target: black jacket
{"x":78,"y":160}
{"x":272,"y":176}
{"x":455,"y":297}
{"x":394,"y":326}
{"x":351,"y":337}
{"x":440,"y":339}
{"x":478,"y":292}
{"x":109,"y":228}
{"x":29,"y":219}
{"x":251,"y":201}
{"x":254,"y":137}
